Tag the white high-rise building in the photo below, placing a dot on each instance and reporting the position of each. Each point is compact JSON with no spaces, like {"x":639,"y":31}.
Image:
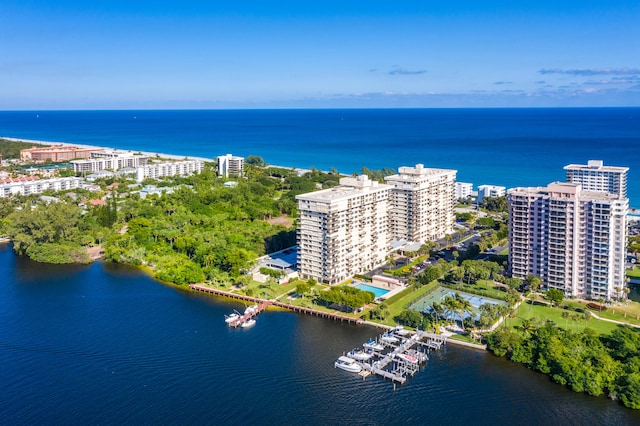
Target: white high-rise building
{"x":595,"y":176}
{"x":422,"y":202}
{"x":343,"y":231}
{"x":230,"y":165}
{"x":574,"y":240}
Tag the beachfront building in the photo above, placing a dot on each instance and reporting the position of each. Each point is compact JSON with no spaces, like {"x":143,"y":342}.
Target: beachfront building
{"x":463,"y":190}
{"x":38,"y":186}
{"x":595,"y":176}
{"x":56,"y":153}
{"x":109,"y":160}
{"x":175,"y":168}
{"x":343,"y":231}
{"x":573,"y":239}
{"x":421,"y":203}
{"x":490,"y":191}
{"x":230,"y":165}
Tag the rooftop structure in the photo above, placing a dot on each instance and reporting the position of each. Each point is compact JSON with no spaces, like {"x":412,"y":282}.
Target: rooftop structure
{"x":595,"y":176}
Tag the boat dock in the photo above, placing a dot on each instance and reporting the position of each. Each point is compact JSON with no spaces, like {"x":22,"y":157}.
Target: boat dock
{"x":275,"y":303}
{"x":402,"y":358}
{"x":248,"y":315}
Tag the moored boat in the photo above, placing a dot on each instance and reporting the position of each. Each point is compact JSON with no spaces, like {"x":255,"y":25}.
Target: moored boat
{"x":409,"y":358}
{"x":389,"y":338}
{"x":251,"y":309}
{"x":348,"y":364}
{"x":231,"y":317}
{"x":400,"y":331}
{"x":359,"y":355}
{"x":372,"y":344}
{"x":248,"y":323}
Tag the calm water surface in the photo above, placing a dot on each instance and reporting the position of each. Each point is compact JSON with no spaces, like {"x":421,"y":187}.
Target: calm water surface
{"x":106,"y":344}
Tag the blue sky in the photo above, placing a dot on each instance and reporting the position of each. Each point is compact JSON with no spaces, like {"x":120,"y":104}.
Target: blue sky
{"x":323,"y":54}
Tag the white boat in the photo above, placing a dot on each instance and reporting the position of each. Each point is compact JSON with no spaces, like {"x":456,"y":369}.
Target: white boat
{"x":400,"y":331}
{"x":409,"y":358}
{"x":389,"y":338}
{"x":251,"y":309}
{"x":348,"y":364}
{"x":248,"y":323}
{"x":231,"y":318}
{"x":372,"y":344}
{"x":359,"y":355}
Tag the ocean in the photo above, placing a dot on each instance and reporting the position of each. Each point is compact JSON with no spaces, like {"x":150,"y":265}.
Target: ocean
{"x":106,"y":344}
{"x":508,"y":147}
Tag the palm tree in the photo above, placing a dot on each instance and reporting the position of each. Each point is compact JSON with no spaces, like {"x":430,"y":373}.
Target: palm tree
{"x":527,"y":326}
{"x":463,"y":306}
{"x":437,"y":309}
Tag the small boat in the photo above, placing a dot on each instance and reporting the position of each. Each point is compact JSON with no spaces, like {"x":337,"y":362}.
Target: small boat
{"x":372,"y":344}
{"x":359,"y":355}
{"x":389,"y":338}
{"x":400,"y":331}
{"x":248,"y":323}
{"x":231,"y":318}
{"x":409,"y":358}
{"x":251,"y":309}
{"x":348,"y":364}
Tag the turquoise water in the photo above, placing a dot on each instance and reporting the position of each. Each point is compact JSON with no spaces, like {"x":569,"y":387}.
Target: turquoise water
{"x":379,"y":292}
{"x":499,"y":146}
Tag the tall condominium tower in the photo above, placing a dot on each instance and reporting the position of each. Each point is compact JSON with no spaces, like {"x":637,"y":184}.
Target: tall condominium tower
{"x":343,"y":231}
{"x":595,"y":176}
{"x":422,"y":202}
{"x":573,"y":239}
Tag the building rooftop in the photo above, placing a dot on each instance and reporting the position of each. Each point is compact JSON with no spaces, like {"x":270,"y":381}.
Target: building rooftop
{"x":349,"y":187}
{"x":596,"y":165}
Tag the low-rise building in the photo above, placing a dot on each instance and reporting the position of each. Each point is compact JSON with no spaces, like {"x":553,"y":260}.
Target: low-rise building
{"x":463,"y":190}
{"x":176,"y":168}
{"x":109,"y":160}
{"x":490,"y":191}
{"x":56,"y":153}
{"x":230,"y":165}
{"x":38,"y":186}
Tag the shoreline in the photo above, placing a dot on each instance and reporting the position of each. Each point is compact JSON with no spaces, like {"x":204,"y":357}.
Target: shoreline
{"x":634,"y":212}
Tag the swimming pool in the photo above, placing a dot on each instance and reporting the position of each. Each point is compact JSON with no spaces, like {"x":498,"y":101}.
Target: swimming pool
{"x":379,"y":292}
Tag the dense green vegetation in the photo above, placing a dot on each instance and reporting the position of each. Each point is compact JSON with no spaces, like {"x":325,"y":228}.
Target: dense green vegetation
{"x":347,"y":296}
{"x":585,"y":362}
{"x":201,"y":231}
{"x":11,"y":149}
{"x":49,"y":232}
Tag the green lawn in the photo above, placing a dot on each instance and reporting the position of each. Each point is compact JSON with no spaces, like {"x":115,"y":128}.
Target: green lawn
{"x":544,"y":312}
{"x":634,"y":273}
{"x":485,"y":288}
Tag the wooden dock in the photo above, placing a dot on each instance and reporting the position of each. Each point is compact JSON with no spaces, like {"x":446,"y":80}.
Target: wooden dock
{"x":259,"y":301}
{"x":249,"y":314}
{"x":395,"y":364}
